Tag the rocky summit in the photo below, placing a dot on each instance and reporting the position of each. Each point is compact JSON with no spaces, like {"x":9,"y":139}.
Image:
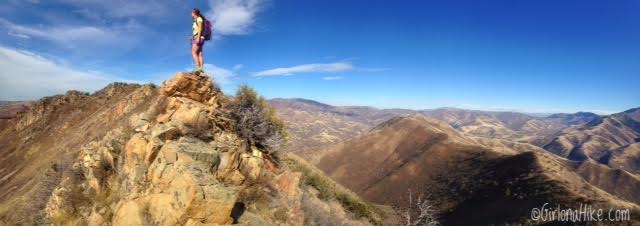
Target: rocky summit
{"x":146,"y":155}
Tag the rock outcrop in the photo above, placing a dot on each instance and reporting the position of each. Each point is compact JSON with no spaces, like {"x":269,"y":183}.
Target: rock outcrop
{"x":177,"y":162}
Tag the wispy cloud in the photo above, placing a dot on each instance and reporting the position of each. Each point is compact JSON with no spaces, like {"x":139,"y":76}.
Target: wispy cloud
{"x":123,"y":8}
{"x":26,"y":75}
{"x":220,"y":75}
{"x":79,"y":36}
{"x":234,"y":17}
{"x":307,"y":68}
{"x":332,"y":78}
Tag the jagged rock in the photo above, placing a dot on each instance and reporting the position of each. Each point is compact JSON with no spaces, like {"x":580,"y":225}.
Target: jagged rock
{"x":175,"y":161}
{"x":129,"y":213}
{"x":183,"y":184}
{"x":153,"y":148}
{"x":251,"y":219}
{"x":288,"y":185}
{"x":96,"y":219}
{"x":238,"y":167}
{"x":193,"y":114}
{"x":166,"y":132}
{"x":251,"y":166}
{"x":227,"y":169}
{"x":195,"y":87}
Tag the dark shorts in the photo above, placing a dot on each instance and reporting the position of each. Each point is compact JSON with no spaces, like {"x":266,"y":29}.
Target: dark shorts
{"x":200,"y":43}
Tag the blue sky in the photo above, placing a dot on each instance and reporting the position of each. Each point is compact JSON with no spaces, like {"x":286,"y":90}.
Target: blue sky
{"x":533,"y":56}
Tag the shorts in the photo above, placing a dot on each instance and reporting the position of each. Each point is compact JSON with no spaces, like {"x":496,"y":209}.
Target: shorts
{"x":194,"y":42}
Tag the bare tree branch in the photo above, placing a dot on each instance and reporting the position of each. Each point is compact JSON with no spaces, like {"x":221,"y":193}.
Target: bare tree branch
{"x":418,"y":211}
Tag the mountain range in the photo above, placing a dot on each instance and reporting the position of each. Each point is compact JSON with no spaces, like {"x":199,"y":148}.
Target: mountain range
{"x":171,"y":155}
{"x":576,"y":136}
{"x":472,"y":161}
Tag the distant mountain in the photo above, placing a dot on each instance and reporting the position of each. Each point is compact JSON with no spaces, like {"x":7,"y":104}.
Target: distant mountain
{"x":499,"y":183}
{"x":505,"y":125}
{"x":578,"y":118}
{"x":314,"y":125}
{"x":611,"y":140}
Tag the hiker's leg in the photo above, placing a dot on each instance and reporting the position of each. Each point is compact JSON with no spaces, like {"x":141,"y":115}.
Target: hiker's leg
{"x":194,"y":53}
{"x":200,"y":58}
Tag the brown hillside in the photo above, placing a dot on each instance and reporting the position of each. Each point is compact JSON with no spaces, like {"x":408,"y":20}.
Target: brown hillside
{"x":609,"y":141}
{"x":38,"y":144}
{"x":461,"y":175}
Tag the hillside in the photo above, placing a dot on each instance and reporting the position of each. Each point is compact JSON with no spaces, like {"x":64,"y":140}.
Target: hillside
{"x":511,"y":126}
{"x":462,"y":176}
{"x":611,"y":141}
{"x":608,"y":140}
{"x":144,"y":155}
{"x":313,"y":125}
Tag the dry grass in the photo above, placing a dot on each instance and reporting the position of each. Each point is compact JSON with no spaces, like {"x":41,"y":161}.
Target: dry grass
{"x":319,"y":212}
{"x":329,"y":191}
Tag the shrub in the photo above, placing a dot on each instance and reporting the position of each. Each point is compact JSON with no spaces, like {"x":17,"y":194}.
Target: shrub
{"x":318,"y":212}
{"x":330,"y":191}
{"x":256,"y":121}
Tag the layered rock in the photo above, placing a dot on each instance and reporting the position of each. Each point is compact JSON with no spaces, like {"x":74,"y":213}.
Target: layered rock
{"x":196,"y":87}
{"x":164,"y":172}
{"x":177,"y":163}
{"x":142,"y":155}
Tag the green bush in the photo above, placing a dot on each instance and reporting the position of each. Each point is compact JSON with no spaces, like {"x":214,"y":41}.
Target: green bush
{"x":256,"y":121}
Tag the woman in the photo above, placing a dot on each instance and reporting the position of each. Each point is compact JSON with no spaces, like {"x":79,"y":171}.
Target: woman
{"x":197,"y":39}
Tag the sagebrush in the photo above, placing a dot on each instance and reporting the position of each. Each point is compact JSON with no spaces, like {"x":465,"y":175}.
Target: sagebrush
{"x":256,"y":121}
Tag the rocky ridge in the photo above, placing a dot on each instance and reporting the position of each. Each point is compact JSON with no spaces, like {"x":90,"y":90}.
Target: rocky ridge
{"x":174,"y":159}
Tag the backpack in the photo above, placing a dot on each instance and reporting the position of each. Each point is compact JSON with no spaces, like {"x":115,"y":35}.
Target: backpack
{"x":206,"y":29}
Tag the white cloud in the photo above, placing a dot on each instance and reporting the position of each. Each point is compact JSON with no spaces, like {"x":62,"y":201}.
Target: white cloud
{"x":237,"y":67}
{"x":27,"y":76}
{"x":125,"y":8}
{"x":332,"y":78}
{"x":220,"y":75}
{"x":80,"y":36}
{"x":233,"y":17}
{"x":307,"y":68}
{"x":27,"y":1}
{"x":17,"y":35}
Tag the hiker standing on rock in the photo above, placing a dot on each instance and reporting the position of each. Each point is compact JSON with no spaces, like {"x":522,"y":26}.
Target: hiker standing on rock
{"x":201,"y":32}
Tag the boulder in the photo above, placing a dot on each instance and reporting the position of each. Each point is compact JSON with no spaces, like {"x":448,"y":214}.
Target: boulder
{"x":182,"y":186}
{"x":288,"y":184}
{"x":166,"y":132}
{"x":129,"y":213}
{"x":196,"y":87}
